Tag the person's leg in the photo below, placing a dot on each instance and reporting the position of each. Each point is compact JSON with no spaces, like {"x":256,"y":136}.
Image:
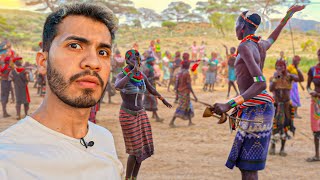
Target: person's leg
{"x":136,"y":170}
{"x":18,"y":109}
{"x":316,"y":145}
{"x":190,"y":121}
{"x":172,"y":122}
{"x":249,"y":175}
{"x":4,"y":109}
{"x":26,"y":108}
{"x":130,"y":166}
{"x":229,"y":88}
{"x":282,"y":152}
{"x":155,"y":114}
{"x":235,"y":88}
{"x":272,"y":150}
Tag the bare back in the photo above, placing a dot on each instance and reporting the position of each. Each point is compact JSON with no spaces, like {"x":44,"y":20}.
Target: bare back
{"x":245,"y":71}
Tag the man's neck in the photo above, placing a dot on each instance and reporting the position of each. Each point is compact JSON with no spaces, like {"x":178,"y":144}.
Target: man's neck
{"x":60,"y":117}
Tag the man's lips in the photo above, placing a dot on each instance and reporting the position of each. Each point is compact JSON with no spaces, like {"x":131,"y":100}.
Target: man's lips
{"x":88,"y":81}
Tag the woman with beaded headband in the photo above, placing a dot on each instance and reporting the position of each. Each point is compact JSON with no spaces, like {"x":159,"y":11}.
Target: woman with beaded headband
{"x":249,"y":152}
{"x":136,"y":128}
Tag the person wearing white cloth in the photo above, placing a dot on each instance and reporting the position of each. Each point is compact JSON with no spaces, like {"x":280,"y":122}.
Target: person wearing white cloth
{"x":57,"y":141}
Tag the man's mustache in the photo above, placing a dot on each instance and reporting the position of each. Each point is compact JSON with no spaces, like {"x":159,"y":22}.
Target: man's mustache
{"x":86,"y":73}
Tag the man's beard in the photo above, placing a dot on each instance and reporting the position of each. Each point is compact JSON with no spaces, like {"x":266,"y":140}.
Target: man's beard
{"x":58,"y":85}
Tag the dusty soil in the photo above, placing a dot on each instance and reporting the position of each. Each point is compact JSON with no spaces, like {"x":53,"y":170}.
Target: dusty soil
{"x":200,"y":151}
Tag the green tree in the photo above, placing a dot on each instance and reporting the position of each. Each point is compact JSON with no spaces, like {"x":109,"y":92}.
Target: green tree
{"x":170,"y":25}
{"x":223,"y":22}
{"x":176,"y":11}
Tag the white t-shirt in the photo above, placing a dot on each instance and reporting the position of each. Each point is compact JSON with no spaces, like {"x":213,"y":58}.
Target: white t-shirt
{"x":29,"y":150}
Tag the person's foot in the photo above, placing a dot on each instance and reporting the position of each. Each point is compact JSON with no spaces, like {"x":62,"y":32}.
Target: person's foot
{"x":272,"y":151}
{"x":18,"y":117}
{"x":176,"y":101}
{"x":172,"y":125}
{"x":282,"y":153}
{"x":159,"y":119}
{"x":297,"y":116}
{"x":6,"y":115}
{"x":313,"y":159}
{"x":191,"y":124}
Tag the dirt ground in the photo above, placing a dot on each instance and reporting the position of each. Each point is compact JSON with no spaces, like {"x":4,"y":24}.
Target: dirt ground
{"x":200,"y":152}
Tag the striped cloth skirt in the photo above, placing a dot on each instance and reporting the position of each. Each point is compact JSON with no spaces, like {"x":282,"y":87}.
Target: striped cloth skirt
{"x":137,"y":133}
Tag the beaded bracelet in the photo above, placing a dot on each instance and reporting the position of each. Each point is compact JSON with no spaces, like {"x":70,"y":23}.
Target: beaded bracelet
{"x":259,"y":79}
{"x":287,"y":17}
{"x":236,"y":101}
{"x":160,"y":98}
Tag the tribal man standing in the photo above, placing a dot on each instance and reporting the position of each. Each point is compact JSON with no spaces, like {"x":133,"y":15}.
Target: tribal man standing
{"x":249,"y":152}
{"x":280,"y":85}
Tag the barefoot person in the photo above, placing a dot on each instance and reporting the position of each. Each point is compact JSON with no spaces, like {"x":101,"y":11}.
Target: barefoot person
{"x":183,"y":89}
{"x":134,"y":121}
{"x":314,"y":77}
{"x":57,"y":141}
{"x":294,"y":93}
{"x":253,"y":103}
{"x":231,"y":71}
{"x":280,"y":85}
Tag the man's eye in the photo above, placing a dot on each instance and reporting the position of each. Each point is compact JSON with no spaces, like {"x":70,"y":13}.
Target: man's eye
{"x":103,"y":53}
{"x":75,"y":46}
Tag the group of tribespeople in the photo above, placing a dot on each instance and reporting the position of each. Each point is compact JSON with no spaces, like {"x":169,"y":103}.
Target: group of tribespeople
{"x":74,"y":93}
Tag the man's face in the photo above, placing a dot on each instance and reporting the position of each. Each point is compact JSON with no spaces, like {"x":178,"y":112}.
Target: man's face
{"x":281,"y":54}
{"x":296,"y":61}
{"x":239,"y":28}
{"x":78,"y":63}
{"x":281,"y":68}
{"x":133,"y":60}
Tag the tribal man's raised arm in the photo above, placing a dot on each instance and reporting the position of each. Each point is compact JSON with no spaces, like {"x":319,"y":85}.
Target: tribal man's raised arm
{"x":274,"y":35}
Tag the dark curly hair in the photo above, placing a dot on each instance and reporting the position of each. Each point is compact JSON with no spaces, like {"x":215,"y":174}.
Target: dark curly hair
{"x":97,"y":12}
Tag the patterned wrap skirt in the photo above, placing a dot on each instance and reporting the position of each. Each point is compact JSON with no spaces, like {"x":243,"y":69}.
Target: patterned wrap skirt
{"x":315,"y":116}
{"x":137,"y":133}
{"x":185,"y":109}
{"x":248,"y":151}
{"x":294,"y":95}
{"x":283,"y":121}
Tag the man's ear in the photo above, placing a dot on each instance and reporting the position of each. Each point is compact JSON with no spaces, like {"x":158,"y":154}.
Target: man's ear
{"x":41,"y":59}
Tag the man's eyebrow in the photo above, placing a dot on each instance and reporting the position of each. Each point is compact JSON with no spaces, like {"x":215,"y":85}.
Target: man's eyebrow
{"x":77,"y":38}
{"x":86,"y":41}
{"x":104,"y":45}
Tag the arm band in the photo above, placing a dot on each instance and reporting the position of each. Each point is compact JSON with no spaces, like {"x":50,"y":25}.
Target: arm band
{"x":259,"y":79}
{"x":160,"y":98}
{"x":236,"y":101}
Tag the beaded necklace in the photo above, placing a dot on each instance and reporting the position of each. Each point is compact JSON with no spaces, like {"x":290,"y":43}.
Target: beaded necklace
{"x":250,"y":37}
{"x":136,"y":79}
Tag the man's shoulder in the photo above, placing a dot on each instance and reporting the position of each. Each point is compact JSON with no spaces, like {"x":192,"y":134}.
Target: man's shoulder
{"x":15,"y":132}
{"x":100,"y":131}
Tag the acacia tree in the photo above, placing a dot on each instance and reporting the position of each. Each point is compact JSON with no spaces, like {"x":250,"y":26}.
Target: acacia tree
{"x":148,"y":16}
{"x":170,"y":25}
{"x":176,"y":11}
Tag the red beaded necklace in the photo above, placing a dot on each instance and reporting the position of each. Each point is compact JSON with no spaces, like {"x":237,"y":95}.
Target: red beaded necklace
{"x":250,"y":37}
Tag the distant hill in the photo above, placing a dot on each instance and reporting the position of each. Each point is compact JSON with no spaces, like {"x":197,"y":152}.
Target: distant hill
{"x":300,"y":25}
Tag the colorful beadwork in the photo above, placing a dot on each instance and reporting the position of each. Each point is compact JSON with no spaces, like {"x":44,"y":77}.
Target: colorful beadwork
{"x":232,"y":103}
{"x":249,"y":21}
{"x":259,"y":79}
{"x":136,"y":79}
